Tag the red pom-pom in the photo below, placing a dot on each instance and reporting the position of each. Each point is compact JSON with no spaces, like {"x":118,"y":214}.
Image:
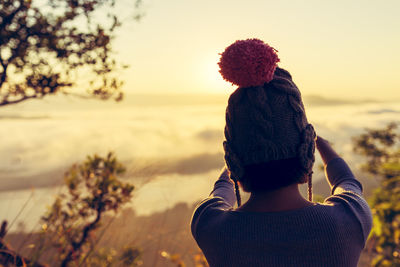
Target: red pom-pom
{"x":248,"y":63}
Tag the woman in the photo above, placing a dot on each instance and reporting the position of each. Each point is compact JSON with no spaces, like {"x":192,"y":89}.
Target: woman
{"x":269,"y":152}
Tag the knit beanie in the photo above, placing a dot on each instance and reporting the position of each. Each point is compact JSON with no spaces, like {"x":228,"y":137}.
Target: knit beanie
{"x":265,"y":116}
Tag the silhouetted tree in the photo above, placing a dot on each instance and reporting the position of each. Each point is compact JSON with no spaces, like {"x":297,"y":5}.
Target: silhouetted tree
{"x":93,"y":189}
{"x":382,"y":149}
{"x":68,"y":230}
{"x":70,"y":224}
{"x":45,"y":44}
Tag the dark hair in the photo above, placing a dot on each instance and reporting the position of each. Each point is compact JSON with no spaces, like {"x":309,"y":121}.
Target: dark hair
{"x":272,"y":175}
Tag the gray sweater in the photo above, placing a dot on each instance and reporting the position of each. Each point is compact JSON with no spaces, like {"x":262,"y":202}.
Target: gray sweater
{"x":328,"y":234}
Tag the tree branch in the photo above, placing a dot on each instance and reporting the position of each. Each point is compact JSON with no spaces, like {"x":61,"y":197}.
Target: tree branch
{"x":86,"y":230}
{"x":4,"y":73}
{"x":7,"y":102}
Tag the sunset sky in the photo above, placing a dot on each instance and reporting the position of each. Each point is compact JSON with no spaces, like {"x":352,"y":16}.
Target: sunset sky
{"x":332,"y":48}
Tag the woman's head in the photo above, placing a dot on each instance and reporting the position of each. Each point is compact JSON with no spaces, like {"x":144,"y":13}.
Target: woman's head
{"x":269,"y":142}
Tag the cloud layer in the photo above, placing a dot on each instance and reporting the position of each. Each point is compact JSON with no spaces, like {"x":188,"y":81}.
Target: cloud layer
{"x":158,"y":137}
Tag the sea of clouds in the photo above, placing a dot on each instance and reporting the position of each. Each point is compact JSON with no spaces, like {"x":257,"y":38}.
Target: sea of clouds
{"x":171,"y":145}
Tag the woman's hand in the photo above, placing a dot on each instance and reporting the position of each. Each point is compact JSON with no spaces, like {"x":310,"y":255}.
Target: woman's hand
{"x":325,"y":149}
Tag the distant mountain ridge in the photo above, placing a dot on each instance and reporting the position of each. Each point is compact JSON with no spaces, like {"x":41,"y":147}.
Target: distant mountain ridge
{"x":50,"y":103}
{"x":317,"y":100}
{"x":209,"y":99}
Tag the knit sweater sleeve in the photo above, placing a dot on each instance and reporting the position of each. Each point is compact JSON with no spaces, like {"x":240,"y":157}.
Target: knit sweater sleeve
{"x":347,"y":190}
{"x":222,"y":197}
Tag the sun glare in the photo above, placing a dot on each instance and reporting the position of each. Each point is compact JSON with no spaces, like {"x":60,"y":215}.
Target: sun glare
{"x":212,"y":80}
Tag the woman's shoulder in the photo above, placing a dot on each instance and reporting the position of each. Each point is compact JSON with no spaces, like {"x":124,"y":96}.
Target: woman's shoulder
{"x":347,"y":210}
{"x":208,"y":212}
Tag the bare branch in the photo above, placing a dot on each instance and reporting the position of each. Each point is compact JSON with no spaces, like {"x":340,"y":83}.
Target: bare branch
{"x":4,"y":73}
{"x":7,"y":102}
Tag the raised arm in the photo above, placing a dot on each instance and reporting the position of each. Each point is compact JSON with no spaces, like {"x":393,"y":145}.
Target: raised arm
{"x":222,"y":198}
{"x":346,"y":189}
{"x":325,"y":150}
{"x":336,"y":169}
{"x":223,"y":188}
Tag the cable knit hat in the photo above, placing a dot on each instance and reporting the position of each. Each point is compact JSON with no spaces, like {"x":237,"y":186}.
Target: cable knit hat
{"x":265,"y":117}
